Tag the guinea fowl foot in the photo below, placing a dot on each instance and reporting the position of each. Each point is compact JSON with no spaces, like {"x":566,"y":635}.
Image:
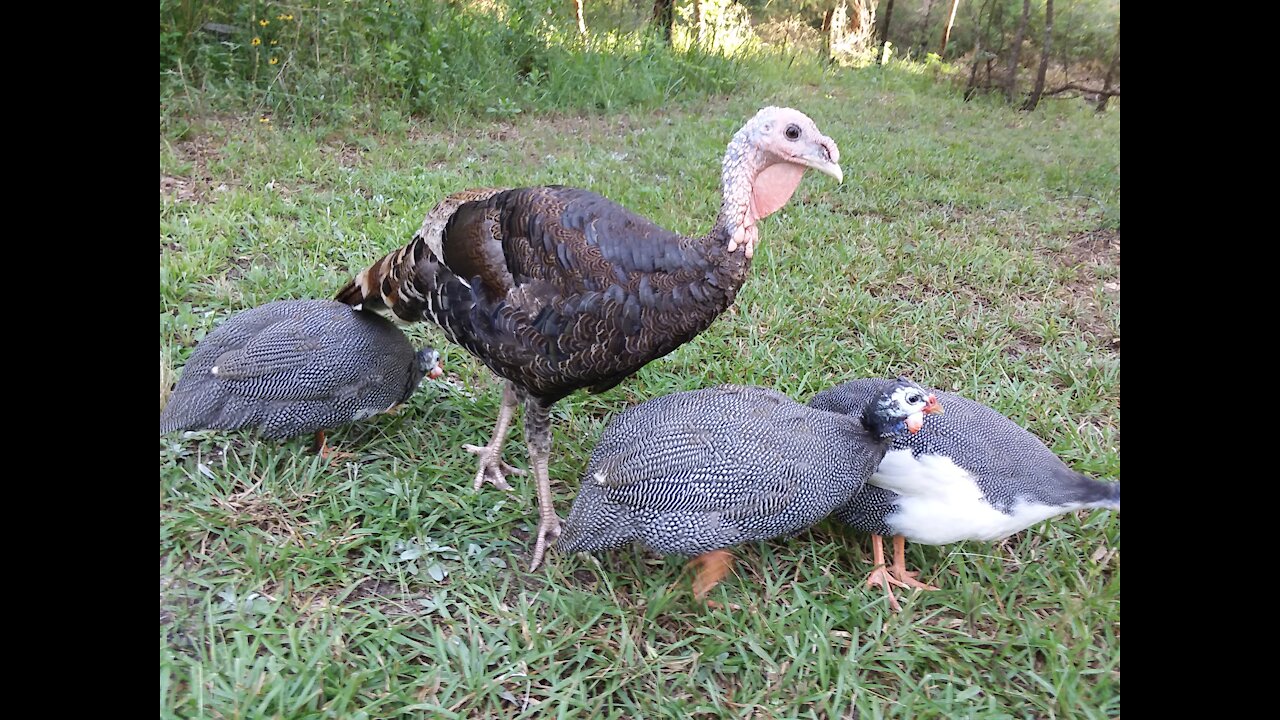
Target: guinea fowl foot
{"x":880,"y":575}
{"x":548,"y":529}
{"x":711,"y":568}
{"x":899,"y":569}
{"x":335,"y":456}
{"x":327,"y":453}
{"x":882,"y":578}
{"x":905,"y":578}
{"x":493,"y":469}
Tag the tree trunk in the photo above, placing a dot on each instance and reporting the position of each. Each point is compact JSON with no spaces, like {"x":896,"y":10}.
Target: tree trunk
{"x":664,"y":17}
{"x":884,"y":33}
{"x":922,"y":33}
{"x":582,"y":23}
{"x":1011,"y":82}
{"x":697,"y":21}
{"x":946,"y":31}
{"x":1065,"y":18}
{"x":827,"y":41}
{"x":1111,"y":74}
{"x":1034,"y":100}
{"x":972,"y":88}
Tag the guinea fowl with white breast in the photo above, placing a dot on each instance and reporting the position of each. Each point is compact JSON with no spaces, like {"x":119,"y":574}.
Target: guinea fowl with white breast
{"x":972,"y":474}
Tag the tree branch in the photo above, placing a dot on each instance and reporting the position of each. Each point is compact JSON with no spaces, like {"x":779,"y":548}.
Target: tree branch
{"x":1081,"y":88}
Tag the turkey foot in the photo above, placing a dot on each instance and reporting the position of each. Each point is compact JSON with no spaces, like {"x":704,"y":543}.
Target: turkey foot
{"x":548,"y":529}
{"x":492,"y":468}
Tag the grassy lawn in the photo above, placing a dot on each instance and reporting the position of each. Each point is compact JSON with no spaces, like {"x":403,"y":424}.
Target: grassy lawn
{"x":974,"y":247}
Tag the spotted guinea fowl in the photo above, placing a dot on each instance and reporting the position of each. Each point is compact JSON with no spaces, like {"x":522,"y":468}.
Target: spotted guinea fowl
{"x":972,"y":474}
{"x":558,"y":289}
{"x":694,"y":473}
{"x":296,"y":366}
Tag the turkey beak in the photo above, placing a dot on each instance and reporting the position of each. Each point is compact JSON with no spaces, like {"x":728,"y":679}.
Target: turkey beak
{"x":933,"y":407}
{"x":824,"y":157}
{"x":436,"y":371}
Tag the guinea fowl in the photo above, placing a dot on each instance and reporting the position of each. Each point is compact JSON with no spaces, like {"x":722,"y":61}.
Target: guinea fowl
{"x":296,"y":366}
{"x":693,"y":473}
{"x":972,"y":474}
{"x":556,"y":289}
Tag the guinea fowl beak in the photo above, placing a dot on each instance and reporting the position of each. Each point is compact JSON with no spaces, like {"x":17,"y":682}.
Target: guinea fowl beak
{"x":933,"y":407}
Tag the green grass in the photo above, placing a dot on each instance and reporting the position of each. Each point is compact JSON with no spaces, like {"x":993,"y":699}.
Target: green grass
{"x":972,"y":246}
{"x":340,"y":61}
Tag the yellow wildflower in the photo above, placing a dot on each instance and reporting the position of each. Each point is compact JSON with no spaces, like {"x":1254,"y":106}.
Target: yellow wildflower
{"x":258,"y":41}
{"x":275,"y":42}
{"x":273,"y":61}
{"x":264,"y":119}
{"x":284,"y":17}
{"x":264,"y":22}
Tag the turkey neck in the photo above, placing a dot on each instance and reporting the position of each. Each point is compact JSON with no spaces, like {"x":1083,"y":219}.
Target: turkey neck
{"x":753,"y":186}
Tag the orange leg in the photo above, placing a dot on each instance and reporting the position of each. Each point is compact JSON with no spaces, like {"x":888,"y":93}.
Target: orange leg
{"x":711,"y":569}
{"x":328,"y":453}
{"x":880,"y":573}
{"x":899,"y":570}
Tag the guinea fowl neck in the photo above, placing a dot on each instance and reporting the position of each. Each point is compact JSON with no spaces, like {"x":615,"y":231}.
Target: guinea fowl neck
{"x":879,"y":424}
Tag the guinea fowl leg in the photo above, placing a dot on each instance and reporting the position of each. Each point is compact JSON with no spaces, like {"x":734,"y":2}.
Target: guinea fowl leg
{"x":880,"y":574}
{"x":537,"y":436}
{"x":492,"y":469}
{"x":328,"y":453}
{"x":899,"y":570}
{"x":711,"y":569}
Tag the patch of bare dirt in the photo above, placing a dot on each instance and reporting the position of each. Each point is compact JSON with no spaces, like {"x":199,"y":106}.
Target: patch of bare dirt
{"x":180,"y":189}
{"x":242,"y":264}
{"x":1093,"y":249}
{"x":1087,"y":253}
{"x":348,"y":155}
{"x":199,"y":151}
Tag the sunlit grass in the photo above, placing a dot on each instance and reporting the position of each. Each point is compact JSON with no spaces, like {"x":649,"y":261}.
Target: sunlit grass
{"x":971,"y":246}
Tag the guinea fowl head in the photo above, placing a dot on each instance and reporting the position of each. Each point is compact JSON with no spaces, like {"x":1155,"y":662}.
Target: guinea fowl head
{"x":763,"y":167}
{"x":901,"y":406}
{"x":429,"y":363}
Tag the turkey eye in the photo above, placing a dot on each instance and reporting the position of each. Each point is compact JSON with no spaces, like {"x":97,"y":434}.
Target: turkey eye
{"x":793,"y":132}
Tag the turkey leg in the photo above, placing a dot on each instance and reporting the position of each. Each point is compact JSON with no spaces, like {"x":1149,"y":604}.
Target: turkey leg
{"x":492,"y":469}
{"x":537,"y":434}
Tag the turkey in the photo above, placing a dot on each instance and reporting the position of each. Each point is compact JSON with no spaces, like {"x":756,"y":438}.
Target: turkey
{"x":296,"y":366}
{"x":694,"y":473}
{"x":556,"y":289}
{"x":972,"y":474}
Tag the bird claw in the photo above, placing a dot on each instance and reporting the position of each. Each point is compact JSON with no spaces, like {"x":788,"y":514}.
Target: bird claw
{"x":493,"y":469}
{"x":881,"y":577}
{"x":548,"y":529}
{"x":332,"y":456}
{"x":907,"y":578}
